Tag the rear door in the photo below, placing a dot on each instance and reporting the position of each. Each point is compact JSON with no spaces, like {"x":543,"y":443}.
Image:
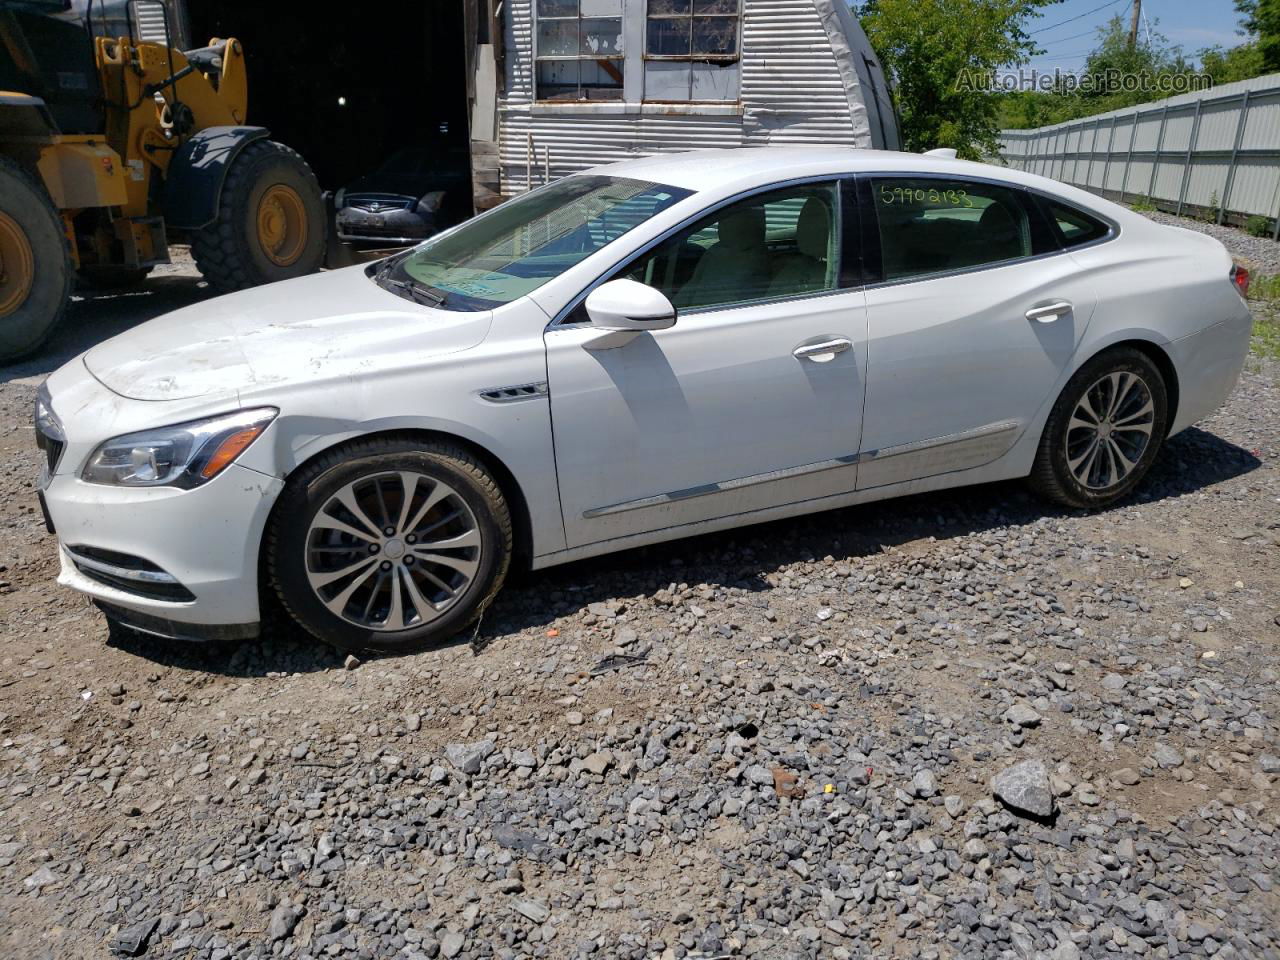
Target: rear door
{"x":976,"y":316}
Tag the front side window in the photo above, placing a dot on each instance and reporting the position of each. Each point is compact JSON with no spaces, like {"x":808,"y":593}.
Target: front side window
{"x":784,"y":243}
{"x":517,"y":247}
{"x":932,"y":225}
{"x":691,"y":50}
{"x":579,"y":53}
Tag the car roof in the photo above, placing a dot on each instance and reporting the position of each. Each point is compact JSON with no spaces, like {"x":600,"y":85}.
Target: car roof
{"x":746,"y":167}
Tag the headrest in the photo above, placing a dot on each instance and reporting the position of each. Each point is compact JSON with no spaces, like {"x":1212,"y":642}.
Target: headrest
{"x":743,"y":229}
{"x":813,"y":229}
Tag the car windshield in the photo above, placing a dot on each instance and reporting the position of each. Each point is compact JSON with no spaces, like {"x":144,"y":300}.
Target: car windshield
{"x":517,"y":247}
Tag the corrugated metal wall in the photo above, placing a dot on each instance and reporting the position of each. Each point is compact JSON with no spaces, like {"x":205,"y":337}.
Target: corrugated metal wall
{"x":1217,"y":150}
{"x":792,"y":92}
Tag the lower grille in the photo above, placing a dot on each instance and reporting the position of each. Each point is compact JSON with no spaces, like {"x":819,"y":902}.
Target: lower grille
{"x":129,"y":574}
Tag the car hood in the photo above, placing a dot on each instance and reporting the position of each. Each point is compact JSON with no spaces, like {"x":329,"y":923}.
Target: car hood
{"x":335,"y":324}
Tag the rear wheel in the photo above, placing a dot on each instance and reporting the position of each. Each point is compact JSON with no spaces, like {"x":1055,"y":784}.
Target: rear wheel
{"x":389,"y":544}
{"x":1104,"y":431}
{"x":271,"y":221}
{"x":35,"y":264}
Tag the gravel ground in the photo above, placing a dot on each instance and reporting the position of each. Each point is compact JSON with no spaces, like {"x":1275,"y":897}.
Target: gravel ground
{"x":1260,"y":254}
{"x":958,"y":725}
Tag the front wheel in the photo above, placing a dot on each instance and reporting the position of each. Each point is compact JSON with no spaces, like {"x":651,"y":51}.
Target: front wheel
{"x":1104,"y":431}
{"x":389,"y":544}
{"x":271,"y":221}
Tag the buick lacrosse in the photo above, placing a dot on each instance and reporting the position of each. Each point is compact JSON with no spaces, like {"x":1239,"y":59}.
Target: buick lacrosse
{"x":636,"y":353}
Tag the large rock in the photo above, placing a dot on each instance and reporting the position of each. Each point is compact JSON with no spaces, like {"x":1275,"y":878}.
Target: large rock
{"x":467,"y":757}
{"x":283,"y":919}
{"x":1024,"y":788}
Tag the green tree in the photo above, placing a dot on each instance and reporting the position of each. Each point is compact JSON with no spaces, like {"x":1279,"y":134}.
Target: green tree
{"x":1237,"y":63}
{"x":937,"y":52}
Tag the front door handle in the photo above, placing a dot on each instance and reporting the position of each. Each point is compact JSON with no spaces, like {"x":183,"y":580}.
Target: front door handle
{"x":1049,"y":312}
{"x":822,"y":352}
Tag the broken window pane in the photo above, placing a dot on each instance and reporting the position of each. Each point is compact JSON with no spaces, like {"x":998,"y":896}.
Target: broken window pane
{"x":669,"y":38}
{"x":704,"y":7}
{"x":557,"y":38}
{"x":717,"y":36}
{"x":601,"y":79}
{"x":558,"y":79}
{"x":715,"y":81}
{"x":601,"y":8}
{"x":557,"y":8}
{"x":601,"y":38}
{"x":668,"y":8}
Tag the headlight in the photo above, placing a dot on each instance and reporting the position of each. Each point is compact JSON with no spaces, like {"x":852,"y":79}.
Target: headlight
{"x":46,"y":421}
{"x":184,"y":455}
{"x":431,"y":202}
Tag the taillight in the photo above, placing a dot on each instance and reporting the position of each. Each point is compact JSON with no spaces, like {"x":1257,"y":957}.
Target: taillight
{"x":1240,"y":277}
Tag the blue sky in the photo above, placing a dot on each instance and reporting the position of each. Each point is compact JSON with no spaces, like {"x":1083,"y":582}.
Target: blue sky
{"x":1191,"y":24}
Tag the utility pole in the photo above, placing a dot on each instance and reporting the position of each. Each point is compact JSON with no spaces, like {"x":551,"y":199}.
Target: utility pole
{"x":1133,"y":24}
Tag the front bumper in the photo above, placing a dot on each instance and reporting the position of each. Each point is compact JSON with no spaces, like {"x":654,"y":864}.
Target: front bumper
{"x":206,"y":538}
{"x":386,"y":226}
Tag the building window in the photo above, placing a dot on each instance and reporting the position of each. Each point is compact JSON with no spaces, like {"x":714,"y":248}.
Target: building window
{"x":579,"y":50}
{"x":691,"y":49}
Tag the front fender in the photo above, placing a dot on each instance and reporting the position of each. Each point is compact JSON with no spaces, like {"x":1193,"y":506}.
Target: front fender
{"x":193,"y":185}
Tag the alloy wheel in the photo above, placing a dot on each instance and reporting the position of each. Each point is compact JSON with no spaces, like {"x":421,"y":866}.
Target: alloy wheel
{"x":393,"y":551}
{"x":1109,"y":430}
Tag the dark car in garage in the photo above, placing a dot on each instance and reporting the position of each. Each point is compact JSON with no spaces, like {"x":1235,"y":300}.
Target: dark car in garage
{"x":417,"y":192}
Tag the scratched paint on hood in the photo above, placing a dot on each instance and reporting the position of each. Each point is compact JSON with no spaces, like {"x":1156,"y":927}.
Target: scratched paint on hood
{"x":330,"y":325}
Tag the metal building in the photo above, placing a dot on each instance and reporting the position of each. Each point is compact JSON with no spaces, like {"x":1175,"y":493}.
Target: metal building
{"x":560,"y":85}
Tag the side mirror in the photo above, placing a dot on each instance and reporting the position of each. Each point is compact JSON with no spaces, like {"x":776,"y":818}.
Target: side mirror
{"x":628,"y":305}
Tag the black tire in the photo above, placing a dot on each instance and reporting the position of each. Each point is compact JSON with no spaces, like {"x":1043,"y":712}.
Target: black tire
{"x":231,"y":253}
{"x":106,"y":277}
{"x":1052,"y":476}
{"x":311,"y":488}
{"x":26,"y":208}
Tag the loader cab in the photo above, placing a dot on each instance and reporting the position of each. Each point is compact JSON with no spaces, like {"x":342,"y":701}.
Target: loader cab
{"x":50,"y":56}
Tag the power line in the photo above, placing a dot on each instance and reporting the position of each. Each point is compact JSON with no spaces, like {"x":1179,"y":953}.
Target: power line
{"x":1109,"y":3}
{"x":1074,"y":36}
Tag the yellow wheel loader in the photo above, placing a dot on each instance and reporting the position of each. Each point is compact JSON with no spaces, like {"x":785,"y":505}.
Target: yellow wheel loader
{"x":113,"y":144}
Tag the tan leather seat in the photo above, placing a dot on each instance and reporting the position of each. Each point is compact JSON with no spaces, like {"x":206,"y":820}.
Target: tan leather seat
{"x":806,"y":270}
{"x":735,"y":267}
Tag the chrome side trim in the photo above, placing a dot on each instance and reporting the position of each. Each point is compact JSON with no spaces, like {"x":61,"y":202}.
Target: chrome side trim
{"x":123,"y":573}
{"x":724,"y":486}
{"x":867,"y":456}
{"x":515,"y":393}
{"x":990,"y":430}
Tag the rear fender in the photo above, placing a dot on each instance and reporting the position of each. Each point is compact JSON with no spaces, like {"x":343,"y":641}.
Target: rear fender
{"x":193,"y":185}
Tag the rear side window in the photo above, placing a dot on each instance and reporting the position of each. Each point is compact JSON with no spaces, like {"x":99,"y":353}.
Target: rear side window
{"x":930,"y":225}
{"x":1074,"y":226}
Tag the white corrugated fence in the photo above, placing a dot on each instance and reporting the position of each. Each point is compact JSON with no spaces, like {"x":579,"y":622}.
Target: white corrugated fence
{"x":1215,"y":152}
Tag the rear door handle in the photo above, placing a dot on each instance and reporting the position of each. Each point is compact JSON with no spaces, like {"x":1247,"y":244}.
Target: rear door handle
{"x":1049,"y":312}
{"x":822,"y":352}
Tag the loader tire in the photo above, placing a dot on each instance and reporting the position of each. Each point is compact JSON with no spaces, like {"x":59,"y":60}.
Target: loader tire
{"x":35,"y":264}
{"x":270,"y":224}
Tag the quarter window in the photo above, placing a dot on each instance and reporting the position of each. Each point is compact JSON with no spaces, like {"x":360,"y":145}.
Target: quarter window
{"x":1075,"y":227}
{"x":579,"y":51}
{"x":932,"y":225}
{"x":779,"y":244}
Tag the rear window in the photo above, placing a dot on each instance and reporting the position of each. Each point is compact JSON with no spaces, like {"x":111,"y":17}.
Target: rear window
{"x":1074,"y":226}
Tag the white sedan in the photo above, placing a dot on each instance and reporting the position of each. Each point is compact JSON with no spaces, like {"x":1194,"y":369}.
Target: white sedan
{"x":636,"y":353}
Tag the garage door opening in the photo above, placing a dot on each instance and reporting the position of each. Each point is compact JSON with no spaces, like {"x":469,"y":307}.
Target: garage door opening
{"x":349,"y":91}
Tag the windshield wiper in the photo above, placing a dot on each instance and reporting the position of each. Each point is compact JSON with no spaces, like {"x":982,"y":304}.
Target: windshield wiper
{"x":418,"y":292}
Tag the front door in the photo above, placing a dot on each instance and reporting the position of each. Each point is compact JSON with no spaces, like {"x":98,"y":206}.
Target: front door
{"x":733,"y":409}
{"x":971,"y":329}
